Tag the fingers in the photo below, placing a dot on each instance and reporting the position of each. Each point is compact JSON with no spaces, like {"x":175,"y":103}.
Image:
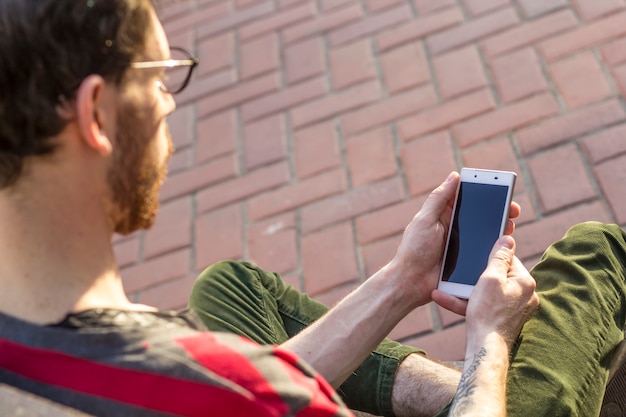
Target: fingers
{"x":450,"y":302}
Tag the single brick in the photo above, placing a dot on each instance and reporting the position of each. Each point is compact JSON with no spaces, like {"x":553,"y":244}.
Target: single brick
{"x":580,"y":80}
{"x":528,"y":33}
{"x":160,"y":269}
{"x":304,"y":60}
{"x":216,"y":53}
{"x":518,"y":75}
{"x":569,"y":126}
{"x":316,"y":149}
{"x":352,"y":204}
{"x":585,"y":37}
{"x":375,"y":6}
{"x":425,"y":7}
{"x":427,"y":162}
{"x":534,"y":8}
{"x":233,"y":20}
{"x":472,"y":31}
{"x":171,"y":230}
{"x":351,"y":64}
{"x":371,"y":156}
{"x":419,"y":28}
{"x":272,"y":244}
{"x":593,"y":9}
{"x":329,"y":259}
{"x":370,"y":25}
{"x":388,"y":221}
{"x":240,"y":188}
{"x":504,"y":119}
{"x":605,"y":144}
{"x":478,"y":7}
{"x":258,"y":56}
{"x":560,"y":178}
{"x":237,"y":94}
{"x":614,"y":52}
{"x":497,"y":154}
{"x":199,"y":17}
{"x":334,"y":104}
{"x":296,"y":195}
{"x":405,"y":67}
{"x":277,"y":21}
{"x":383,"y":112}
{"x":192,"y":180}
{"x":218,"y":236}
{"x":326,"y":5}
{"x":459,"y":72}
{"x":612,"y":178}
{"x":322,"y":24}
{"x":265,"y":141}
{"x":283,"y":99}
{"x":445,"y":115}
{"x":216,"y":136}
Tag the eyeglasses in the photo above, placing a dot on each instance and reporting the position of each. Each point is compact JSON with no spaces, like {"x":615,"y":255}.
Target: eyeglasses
{"x":177,"y":70}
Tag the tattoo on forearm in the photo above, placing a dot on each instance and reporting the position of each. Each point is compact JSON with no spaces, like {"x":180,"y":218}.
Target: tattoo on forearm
{"x":463,"y":398}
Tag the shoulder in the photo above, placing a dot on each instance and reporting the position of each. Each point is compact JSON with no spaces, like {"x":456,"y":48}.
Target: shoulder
{"x":269,"y":374}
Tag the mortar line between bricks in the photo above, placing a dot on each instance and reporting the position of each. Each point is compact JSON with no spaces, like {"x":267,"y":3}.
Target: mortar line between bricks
{"x":194,"y":198}
{"x":378,"y":68}
{"x":435,"y":319}
{"x":343,"y":152}
{"x":245,"y":252}
{"x":491,"y":85}
{"x":299,"y":269}
{"x":400,"y":172}
{"x":192,"y":252}
{"x":524,"y":175}
{"x":552,"y":89}
{"x":606,"y":71}
{"x":595,"y":185}
{"x":360,"y":263}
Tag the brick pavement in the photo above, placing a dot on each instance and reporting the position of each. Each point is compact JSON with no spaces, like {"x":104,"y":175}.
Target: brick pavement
{"x":314,"y":129}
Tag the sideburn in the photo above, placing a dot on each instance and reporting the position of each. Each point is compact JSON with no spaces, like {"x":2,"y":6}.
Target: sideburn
{"x":136,"y":174}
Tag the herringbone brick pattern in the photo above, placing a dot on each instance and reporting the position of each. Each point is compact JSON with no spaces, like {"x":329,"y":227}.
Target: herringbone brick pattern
{"x":314,"y":129}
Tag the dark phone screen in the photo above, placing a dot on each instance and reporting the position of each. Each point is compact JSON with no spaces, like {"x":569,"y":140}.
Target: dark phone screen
{"x":475,"y":228}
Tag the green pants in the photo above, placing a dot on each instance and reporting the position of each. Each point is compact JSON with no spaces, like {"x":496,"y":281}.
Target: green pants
{"x":559,"y":365}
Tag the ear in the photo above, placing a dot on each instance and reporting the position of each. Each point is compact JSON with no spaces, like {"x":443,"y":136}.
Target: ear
{"x":93,"y":113}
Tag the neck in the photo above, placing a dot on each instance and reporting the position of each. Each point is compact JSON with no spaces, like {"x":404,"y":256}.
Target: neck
{"x":56,"y":255}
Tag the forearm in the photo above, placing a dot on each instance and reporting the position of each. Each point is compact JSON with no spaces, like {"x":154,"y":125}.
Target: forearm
{"x":423,"y":387}
{"x":482,"y":389}
{"x":337,"y":343}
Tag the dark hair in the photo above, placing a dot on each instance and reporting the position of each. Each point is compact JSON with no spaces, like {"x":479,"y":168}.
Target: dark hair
{"x":47,"y":48}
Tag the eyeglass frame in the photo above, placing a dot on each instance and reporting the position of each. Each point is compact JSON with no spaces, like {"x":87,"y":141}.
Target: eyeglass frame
{"x":192,"y":62}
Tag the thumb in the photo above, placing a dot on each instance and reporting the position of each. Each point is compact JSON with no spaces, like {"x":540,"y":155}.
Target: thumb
{"x":441,"y":196}
{"x":501,"y":257}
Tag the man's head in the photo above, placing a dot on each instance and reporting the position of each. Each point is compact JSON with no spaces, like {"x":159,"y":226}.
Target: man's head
{"x":60,"y":61}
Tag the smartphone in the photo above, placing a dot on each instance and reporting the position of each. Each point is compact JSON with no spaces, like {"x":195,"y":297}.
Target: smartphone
{"x":479,"y":217}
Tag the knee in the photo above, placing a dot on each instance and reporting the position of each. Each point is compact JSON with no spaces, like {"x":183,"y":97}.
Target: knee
{"x":593,"y":230}
{"x":226,"y":276}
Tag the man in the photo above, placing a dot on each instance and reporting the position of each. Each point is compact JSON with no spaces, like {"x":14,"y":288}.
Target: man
{"x":83,"y":150}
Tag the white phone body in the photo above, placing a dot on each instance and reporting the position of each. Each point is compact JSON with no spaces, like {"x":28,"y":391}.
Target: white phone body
{"x":479,"y":217}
